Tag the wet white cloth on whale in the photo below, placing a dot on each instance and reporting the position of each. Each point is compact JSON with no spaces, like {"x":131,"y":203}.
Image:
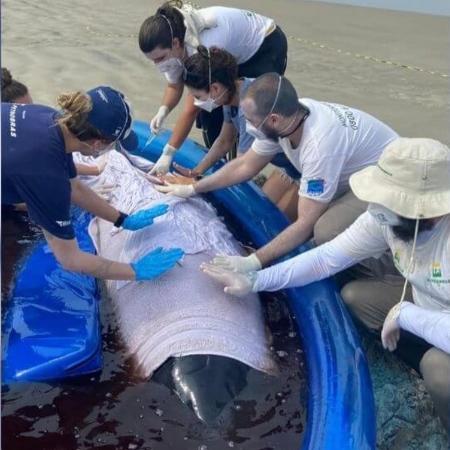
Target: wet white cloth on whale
{"x":183,"y":312}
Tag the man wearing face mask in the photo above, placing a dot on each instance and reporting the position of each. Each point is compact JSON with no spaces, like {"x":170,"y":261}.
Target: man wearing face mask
{"x":174,"y":33}
{"x":325,"y":142}
{"x":409,"y":213}
{"x":38,"y":170}
{"x":211,"y":76}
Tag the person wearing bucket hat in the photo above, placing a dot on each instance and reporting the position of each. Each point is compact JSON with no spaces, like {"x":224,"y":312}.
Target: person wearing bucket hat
{"x":408,"y":192}
{"x":38,"y":170}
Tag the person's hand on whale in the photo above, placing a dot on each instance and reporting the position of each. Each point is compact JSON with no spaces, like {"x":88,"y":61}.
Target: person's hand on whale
{"x":234,"y":263}
{"x":144,"y":217}
{"x":156,"y":262}
{"x":176,"y":178}
{"x":177,"y":185}
{"x":235,"y":283}
{"x":162,"y":166}
{"x":185,"y":172}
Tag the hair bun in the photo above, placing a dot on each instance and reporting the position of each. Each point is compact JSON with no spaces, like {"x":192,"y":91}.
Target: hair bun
{"x":6,"y":77}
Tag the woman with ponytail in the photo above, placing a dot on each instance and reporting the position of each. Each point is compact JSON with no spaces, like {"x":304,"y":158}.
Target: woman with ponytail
{"x":38,"y":170}
{"x":211,"y":77}
{"x":14,"y":91}
{"x":173,"y":34}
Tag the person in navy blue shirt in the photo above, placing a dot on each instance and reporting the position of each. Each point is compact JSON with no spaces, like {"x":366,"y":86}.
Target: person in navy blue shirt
{"x":38,"y":169}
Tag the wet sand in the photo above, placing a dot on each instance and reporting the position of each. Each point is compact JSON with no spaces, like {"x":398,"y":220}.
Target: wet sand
{"x":339,"y":53}
{"x":394,"y":65}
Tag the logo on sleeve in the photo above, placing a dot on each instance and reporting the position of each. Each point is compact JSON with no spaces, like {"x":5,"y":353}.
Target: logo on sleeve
{"x":315,"y":187}
{"x":63,"y":223}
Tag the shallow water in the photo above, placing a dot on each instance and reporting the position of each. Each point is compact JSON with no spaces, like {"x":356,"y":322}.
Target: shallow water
{"x":112,"y":410}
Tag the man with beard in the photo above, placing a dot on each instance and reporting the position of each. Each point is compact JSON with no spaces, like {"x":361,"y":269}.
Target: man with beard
{"x":408,"y":192}
{"x":325,"y":142}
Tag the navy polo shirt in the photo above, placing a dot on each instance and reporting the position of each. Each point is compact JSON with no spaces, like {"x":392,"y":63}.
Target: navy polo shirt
{"x":36,"y":169}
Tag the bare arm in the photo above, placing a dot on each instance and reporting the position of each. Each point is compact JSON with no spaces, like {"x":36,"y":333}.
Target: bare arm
{"x":236,"y":171}
{"x":72,"y":258}
{"x":219,"y":149}
{"x":172,"y":95}
{"x":86,"y":198}
{"x":84,"y":169}
{"x":184,"y":123}
{"x":294,"y":235}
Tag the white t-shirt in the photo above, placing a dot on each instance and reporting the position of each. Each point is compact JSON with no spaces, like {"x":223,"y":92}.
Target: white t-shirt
{"x":337,"y":141}
{"x":238,"y":31}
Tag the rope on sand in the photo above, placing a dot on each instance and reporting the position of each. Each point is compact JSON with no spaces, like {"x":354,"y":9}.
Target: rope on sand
{"x":368,"y":57}
{"x":315,"y":44}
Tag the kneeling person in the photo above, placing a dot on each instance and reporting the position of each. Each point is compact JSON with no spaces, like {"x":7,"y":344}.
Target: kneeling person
{"x":409,"y":214}
{"x":38,"y":170}
{"x":325,"y":142}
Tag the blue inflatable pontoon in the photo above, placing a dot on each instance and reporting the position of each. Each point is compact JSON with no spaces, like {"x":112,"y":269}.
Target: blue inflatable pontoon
{"x":52,"y":326}
{"x":340,"y":409}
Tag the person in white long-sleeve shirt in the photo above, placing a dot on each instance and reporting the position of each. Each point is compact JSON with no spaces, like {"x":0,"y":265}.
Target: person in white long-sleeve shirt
{"x":408,"y":192}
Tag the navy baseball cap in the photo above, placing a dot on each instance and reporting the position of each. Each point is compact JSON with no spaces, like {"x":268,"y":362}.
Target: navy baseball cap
{"x":111,"y":115}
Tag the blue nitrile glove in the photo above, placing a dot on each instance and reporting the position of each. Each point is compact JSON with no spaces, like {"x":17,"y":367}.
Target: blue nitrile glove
{"x":143,"y":218}
{"x":156,"y":262}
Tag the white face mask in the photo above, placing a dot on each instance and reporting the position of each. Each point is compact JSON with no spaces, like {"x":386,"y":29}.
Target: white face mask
{"x":173,"y":67}
{"x":383,"y":215}
{"x":209,"y":104}
{"x":253,"y":131}
{"x":256,"y":132}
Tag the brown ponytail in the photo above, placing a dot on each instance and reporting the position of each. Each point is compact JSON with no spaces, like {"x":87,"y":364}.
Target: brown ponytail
{"x":224,"y":69}
{"x":156,"y":30}
{"x":75,"y":108}
{"x":11,"y":89}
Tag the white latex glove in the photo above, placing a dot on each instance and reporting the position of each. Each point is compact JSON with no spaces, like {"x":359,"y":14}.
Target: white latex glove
{"x":236,"y":283}
{"x":158,"y":119}
{"x":390,"y":334}
{"x":242,"y":264}
{"x":162,"y":166}
{"x":180,"y":190}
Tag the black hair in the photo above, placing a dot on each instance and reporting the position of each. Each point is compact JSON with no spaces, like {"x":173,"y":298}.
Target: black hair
{"x":160,"y":29}
{"x":11,"y":89}
{"x":224,"y":69}
{"x":263,"y":92}
{"x":405,"y":231}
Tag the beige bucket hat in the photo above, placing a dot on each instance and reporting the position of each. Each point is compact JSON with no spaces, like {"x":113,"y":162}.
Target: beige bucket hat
{"x":412,"y":178}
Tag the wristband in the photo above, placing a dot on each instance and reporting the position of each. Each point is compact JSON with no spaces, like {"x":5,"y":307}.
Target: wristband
{"x":122,"y":216}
